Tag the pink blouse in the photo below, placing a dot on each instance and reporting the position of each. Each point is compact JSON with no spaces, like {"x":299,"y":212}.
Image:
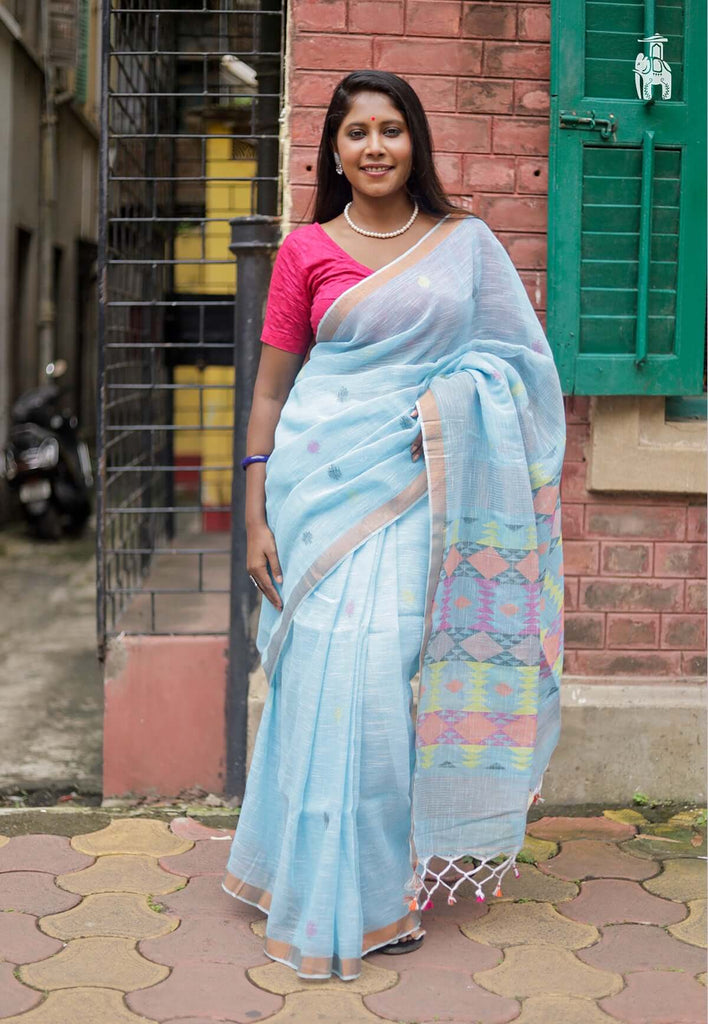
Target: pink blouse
{"x":309,"y":273}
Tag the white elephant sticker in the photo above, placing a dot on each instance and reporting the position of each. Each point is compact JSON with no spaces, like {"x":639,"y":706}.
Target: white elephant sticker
{"x":651,"y":69}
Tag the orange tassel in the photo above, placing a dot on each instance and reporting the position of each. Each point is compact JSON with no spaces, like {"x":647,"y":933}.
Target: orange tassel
{"x":497,"y":891}
{"x":413,"y":905}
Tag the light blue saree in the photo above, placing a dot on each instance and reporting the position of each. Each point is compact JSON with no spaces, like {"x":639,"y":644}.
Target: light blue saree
{"x":353,"y":817}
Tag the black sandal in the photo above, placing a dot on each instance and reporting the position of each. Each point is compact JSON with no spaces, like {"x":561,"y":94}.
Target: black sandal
{"x":398,"y":947}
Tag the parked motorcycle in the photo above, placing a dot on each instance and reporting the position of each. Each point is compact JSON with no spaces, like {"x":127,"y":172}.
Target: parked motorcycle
{"x":46,"y":463}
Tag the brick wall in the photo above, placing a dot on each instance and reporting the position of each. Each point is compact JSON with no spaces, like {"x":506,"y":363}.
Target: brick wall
{"x":635,"y":566}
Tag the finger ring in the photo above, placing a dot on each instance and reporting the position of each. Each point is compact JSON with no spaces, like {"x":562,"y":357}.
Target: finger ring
{"x":254,"y":581}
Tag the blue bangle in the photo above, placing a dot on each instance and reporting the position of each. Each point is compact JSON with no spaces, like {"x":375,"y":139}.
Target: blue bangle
{"x":253,"y":458}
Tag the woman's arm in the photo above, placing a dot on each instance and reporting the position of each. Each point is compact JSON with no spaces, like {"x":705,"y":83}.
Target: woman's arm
{"x":277,"y":370}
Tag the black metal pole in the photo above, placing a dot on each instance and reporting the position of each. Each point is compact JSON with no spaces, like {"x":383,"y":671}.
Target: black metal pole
{"x":252,"y":240}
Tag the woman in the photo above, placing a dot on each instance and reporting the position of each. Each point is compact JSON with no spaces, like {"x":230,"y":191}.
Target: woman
{"x":382,"y":548}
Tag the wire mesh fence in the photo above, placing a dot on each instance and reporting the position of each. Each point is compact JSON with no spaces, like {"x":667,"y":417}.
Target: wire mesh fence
{"x":190,"y":113}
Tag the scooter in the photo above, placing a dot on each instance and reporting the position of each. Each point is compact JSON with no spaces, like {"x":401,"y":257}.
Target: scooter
{"x":46,"y":463}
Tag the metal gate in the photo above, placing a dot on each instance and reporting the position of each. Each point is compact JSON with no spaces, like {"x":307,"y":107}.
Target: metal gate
{"x":191,"y":101}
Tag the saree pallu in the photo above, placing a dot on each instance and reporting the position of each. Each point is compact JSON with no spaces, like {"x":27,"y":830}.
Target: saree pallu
{"x":353,"y":818}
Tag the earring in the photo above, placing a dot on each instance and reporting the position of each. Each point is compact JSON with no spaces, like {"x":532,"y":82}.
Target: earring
{"x":338,"y":164}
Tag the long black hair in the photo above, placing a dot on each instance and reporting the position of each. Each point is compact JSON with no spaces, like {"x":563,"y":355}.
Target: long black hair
{"x":423,"y":185}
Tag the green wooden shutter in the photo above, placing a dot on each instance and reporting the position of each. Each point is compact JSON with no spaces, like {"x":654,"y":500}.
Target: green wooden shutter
{"x":627,"y":209}
{"x":81,"y":82}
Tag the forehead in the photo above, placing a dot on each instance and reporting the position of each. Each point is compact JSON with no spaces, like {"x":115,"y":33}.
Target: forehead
{"x":364,"y":105}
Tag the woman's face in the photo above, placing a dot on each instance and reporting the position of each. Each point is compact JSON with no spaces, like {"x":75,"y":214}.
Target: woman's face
{"x":375,"y":146}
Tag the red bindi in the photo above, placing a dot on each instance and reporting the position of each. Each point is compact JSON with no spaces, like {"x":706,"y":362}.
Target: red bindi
{"x":373,"y":118}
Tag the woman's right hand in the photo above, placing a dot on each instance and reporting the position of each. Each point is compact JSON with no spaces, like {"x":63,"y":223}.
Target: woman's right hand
{"x":261,"y":554}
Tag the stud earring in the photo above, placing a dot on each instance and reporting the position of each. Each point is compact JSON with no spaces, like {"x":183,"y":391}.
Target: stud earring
{"x":338,"y":164}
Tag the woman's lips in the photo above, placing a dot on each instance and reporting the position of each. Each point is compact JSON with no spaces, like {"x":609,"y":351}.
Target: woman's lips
{"x":376,"y":172}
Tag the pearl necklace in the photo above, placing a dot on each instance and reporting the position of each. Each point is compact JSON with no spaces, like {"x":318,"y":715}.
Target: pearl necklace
{"x":380,"y":234}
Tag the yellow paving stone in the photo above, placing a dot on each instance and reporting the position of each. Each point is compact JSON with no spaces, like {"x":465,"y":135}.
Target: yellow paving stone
{"x":132,"y":835}
{"x":537,"y":849}
{"x":121,"y":873}
{"x":119,"y":914}
{"x":682,"y":879}
{"x":702,"y":978}
{"x":324,"y":1008}
{"x":544,"y":970}
{"x":104,"y":962}
{"x":558,"y":1009}
{"x":81,"y":1006}
{"x":531,"y":884}
{"x":282,"y":980}
{"x":258,"y":927}
{"x":514,"y":924}
{"x":627,"y":816}
{"x":4,"y":840}
{"x":693,"y":818}
{"x":693,"y":928}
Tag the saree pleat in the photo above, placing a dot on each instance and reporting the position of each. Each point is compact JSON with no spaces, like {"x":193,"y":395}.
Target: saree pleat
{"x":451,"y":565}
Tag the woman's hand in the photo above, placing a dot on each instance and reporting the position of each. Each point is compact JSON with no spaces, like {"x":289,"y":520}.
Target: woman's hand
{"x":417,"y":446}
{"x":260,"y":554}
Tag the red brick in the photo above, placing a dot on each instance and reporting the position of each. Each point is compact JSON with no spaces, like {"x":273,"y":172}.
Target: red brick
{"x":320,"y":15}
{"x":306,"y":126}
{"x":694,"y":665}
{"x":517,"y":60}
{"x":572,"y":521}
{"x":531,"y":97}
{"x":435,"y":91}
{"x":329,"y":52}
{"x":580,"y":557}
{"x":522,"y":135}
{"x":303,"y":165}
{"x":419,"y":56}
{"x":573,"y":482}
{"x":624,"y":595}
{"x":535,"y":285}
{"x":584,"y":630}
{"x":571,"y":594}
{"x":461,"y":133}
{"x":650,"y":521}
{"x":577,"y":407}
{"x":680,"y":560}
{"x":302,"y":198}
{"x":696,"y":527}
{"x":433,"y":18}
{"x":489,"y":20}
{"x":379,"y":16}
{"x":696,"y":596}
{"x":449,"y":167}
{"x":632,"y":630}
{"x":485,"y":96}
{"x":529,"y":213}
{"x":626,"y":663}
{"x":687,"y":632}
{"x":534,"y":22}
{"x":619,"y":559}
{"x":528,"y":252}
{"x":576,"y":437}
{"x":484,"y":172}
{"x":313,"y":88}
{"x":532,"y":174}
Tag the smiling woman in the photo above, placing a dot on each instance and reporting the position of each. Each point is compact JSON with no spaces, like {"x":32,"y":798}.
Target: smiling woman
{"x":383,"y":549}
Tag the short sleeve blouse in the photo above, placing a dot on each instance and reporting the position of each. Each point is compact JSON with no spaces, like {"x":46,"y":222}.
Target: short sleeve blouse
{"x":310,"y":272}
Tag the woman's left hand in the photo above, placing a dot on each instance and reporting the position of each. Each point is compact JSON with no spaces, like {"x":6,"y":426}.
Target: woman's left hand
{"x":417,"y":446}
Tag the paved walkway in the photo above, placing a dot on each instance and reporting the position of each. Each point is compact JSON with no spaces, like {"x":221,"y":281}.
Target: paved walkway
{"x":128,"y":924}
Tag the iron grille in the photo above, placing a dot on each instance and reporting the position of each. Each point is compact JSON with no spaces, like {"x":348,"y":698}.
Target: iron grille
{"x":190,"y":114}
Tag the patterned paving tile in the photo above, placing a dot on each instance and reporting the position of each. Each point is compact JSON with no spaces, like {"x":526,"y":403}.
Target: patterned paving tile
{"x":445,"y":994}
{"x":104,"y":962}
{"x":132,"y":835}
{"x":204,"y":896}
{"x":121,"y":873}
{"x":519,"y":923}
{"x":33,"y":892}
{"x":118,"y":914}
{"x":616,"y":901}
{"x":542,"y":970}
{"x":205,"y":990}
{"x":664,"y":842}
{"x":284,"y":980}
{"x":14,"y":996}
{"x":189,"y":828}
{"x":693,"y":929}
{"x":445,"y":946}
{"x":627,"y":815}
{"x":536,"y":849}
{"x":21,"y":942}
{"x":211,"y":940}
{"x":681,"y":880}
{"x":3,"y":841}
{"x":642,"y":947}
{"x":558,"y":1009}
{"x":81,"y":1006}
{"x":203,"y":859}
{"x":532,"y":884}
{"x":561,"y":829}
{"x":593,"y":858}
{"x":655,"y":997}
{"x":52,"y":854}
{"x":324,"y":1008}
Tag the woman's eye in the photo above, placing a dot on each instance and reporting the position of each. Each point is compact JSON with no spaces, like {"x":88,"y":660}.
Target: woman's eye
{"x":356,"y":134}
{"x":396,"y":131}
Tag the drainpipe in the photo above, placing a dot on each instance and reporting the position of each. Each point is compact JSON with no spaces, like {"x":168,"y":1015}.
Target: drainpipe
{"x":46,"y":332}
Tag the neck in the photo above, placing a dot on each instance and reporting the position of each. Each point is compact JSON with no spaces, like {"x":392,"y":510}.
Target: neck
{"x":386,"y":213}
